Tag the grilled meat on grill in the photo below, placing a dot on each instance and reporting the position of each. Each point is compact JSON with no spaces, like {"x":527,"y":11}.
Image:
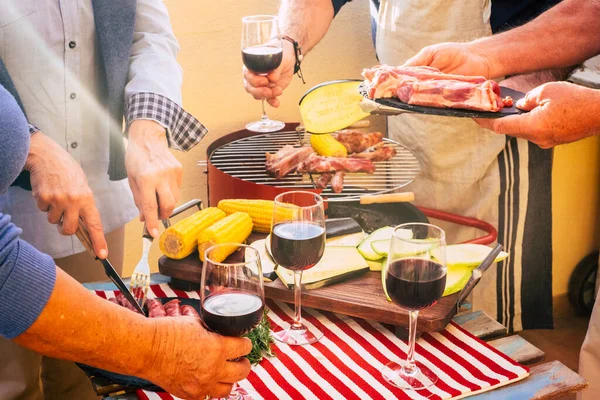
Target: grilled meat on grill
{"x":286,"y":160}
{"x":321,"y":164}
{"x":383,"y":153}
{"x":337,"y":183}
{"x":323,"y":180}
{"x":357,"y":142}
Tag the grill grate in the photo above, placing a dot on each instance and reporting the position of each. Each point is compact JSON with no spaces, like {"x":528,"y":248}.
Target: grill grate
{"x":245,"y":159}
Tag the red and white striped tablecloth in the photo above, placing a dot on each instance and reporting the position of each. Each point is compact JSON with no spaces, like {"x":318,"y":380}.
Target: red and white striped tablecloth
{"x":346,"y":363}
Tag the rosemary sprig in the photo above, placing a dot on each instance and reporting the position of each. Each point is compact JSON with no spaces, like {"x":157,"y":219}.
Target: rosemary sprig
{"x":261,"y":341}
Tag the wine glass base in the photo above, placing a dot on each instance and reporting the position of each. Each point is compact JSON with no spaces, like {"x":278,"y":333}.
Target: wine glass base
{"x":297,"y":336}
{"x":265,"y":126}
{"x":421,"y":378}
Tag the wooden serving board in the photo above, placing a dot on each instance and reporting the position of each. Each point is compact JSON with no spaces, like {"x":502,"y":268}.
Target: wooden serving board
{"x":360,"y":297}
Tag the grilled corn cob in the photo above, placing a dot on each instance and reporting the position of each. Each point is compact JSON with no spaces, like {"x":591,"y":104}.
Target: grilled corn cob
{"x":326,"y":145}
{"x":261,"y":211}
{"x":180,"y":240}
{"x":234,"y":228}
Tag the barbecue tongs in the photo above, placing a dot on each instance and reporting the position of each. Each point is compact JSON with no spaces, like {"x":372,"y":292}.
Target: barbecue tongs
{"x":84,"y":237}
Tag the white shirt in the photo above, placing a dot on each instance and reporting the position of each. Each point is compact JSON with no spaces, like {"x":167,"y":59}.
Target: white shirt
{"x":51,"y":51}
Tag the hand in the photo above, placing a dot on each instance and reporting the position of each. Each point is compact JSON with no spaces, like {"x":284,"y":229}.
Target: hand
{"x":559,"y":112}
{"x":453,"y":58}
{"x":271,"y":86}
{"x":154,"y":173}
{"x":191,"y":362}
{"x":61,"y":189}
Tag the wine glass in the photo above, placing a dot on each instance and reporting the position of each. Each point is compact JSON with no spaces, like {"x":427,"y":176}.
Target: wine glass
{"x":232,"y":296}
{"x":298,"y":243}
{"x":262,"y":52}
{"x":415,"y":278}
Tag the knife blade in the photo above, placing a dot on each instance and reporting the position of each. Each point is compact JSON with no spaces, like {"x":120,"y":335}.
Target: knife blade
{"x":478,"y":272}
{"x":83,"y":235}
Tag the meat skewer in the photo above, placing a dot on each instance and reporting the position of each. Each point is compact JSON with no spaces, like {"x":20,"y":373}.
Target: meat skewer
{"x":319,"y":164}
{"x":125,"y":303}
{"x":337,"y":183}
{"x":189,"y":311}
{"x":286,"y":160}
{"x":155,"y":308}
{"x":172,"y":308}
{"x":323,"y":180}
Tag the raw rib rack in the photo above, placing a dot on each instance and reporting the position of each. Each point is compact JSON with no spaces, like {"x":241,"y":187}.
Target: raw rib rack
{"x":245,"y":159}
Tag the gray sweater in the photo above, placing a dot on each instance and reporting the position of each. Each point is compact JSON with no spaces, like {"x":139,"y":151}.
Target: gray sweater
{"x":27,"y":276}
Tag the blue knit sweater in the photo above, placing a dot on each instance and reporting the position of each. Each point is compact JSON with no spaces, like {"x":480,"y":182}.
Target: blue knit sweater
{"x":27,"y":276}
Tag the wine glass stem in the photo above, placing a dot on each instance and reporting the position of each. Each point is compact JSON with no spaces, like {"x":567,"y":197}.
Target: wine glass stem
{"x":410,"y":366}
{"x":264,"y":118}
{"x":297,"y":300}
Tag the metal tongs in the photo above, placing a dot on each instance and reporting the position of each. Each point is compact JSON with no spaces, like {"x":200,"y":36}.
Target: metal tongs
{"x":477,"y":273}
{"x":83,"y":235}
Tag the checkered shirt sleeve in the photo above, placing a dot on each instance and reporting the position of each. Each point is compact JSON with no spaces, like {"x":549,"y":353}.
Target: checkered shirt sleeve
{"x":183,"y":130}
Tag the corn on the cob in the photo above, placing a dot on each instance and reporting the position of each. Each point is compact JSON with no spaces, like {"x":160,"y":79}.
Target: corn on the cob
{"x":326,"y":145}
{"x":261,"y":211}
{"x":234,"y":228}
{"x":180,"y":240}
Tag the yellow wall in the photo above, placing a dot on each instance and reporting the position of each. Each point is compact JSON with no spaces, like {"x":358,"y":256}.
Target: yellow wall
{"x":576,"y":200}
{"x":209,"y":35}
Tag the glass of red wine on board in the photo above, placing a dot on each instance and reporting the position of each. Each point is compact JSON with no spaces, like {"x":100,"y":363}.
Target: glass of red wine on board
{"x":414,"y":278}
{"x":298,"y":243}
{"x":262,"y":52}
{"x":232,"y":297}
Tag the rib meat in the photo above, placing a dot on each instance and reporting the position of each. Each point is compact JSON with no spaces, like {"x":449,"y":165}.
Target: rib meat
{"x":319,"y":164}
{"x":337,"y":183}
{"x":383,"y":153}
{"x":427,"y":86}
{"x":356,"y":142}
{"x":323,"y":180}
{"x":286,"y":160}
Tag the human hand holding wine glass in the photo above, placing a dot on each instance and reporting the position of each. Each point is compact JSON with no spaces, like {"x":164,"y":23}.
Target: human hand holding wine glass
{"x":415,"y":278}
{"x":262,"y":53}
{"x":298,"y":243}
{"x":232,"y":296}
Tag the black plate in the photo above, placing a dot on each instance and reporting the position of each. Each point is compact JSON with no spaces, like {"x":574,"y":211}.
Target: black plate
{"x":454,"y":112}
{"x":132,"y":381}
{"x":374,"y":216}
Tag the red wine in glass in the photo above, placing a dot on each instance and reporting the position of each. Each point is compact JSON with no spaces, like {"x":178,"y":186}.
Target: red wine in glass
{"x":232,"y":313}
{"x":298,"y":245}
{"x":415,"y":283}
{"x":262,"y":59}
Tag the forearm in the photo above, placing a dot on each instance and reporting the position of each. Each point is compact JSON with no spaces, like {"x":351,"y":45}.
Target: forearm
{"x":79,"y":326}
{"x":306,"y":21}
{"x":563,"y":36}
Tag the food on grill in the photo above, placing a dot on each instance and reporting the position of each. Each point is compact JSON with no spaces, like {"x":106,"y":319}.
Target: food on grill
{"x":323,"y":180}
{"x":382,"y":153}
{"x":125,"y":303}
{"x":286,"y":160}
{"x":326,"y":145}
{"x":113,"y":300}
{"x":155,"y":308}
{"x":337,"y":183}
{"x":356,"y":142}
{"x":172,"y":308}
{"x":427,"y":86}
{"x":189,"y":311}
{"x":261,"y":211}
{"x":320,"y":164}
{"x":181,"y":239}
{"x":234,"y":228}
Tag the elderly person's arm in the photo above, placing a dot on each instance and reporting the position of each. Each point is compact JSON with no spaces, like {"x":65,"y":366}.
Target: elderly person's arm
{"x":154,"y":116}
{"x":45,"y":310}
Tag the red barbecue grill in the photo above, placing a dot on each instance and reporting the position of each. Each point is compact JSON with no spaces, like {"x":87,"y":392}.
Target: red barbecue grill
{"x":236,"y":169}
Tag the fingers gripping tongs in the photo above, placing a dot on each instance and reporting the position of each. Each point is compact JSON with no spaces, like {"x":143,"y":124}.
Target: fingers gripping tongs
{"x":84,"y":237}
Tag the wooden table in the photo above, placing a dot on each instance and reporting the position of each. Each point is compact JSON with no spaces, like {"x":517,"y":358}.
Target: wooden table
{"x":549,"y":380}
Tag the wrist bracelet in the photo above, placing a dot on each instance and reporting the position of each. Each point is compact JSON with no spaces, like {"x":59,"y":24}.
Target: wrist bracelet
{"x":298,"y":55}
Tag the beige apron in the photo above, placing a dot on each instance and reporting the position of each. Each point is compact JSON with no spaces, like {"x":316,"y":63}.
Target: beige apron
{"x":589,"y":358}
{"x":458,"y":158}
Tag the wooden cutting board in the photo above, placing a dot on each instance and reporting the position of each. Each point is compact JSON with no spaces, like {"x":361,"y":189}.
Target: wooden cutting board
{"x":361,"y":297}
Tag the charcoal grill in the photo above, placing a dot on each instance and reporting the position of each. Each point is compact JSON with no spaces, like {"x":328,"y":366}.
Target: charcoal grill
{"x":242,"y":157}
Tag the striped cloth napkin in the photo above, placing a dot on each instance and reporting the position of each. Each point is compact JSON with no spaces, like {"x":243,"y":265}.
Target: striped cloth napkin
{"x":346,"y":363}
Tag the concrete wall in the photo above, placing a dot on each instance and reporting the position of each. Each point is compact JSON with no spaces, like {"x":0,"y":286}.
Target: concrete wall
{"x":209,"y":35}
